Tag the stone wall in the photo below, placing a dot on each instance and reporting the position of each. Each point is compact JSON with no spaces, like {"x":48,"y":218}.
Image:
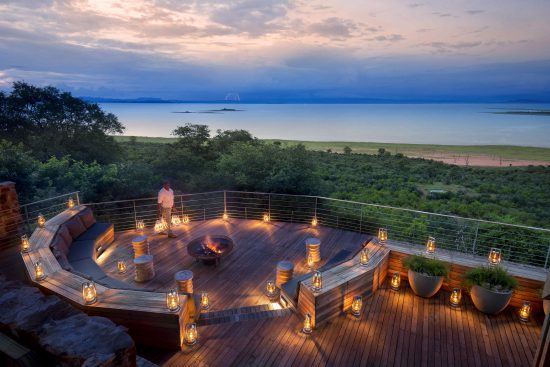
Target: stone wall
{"x":60,"y":331}
{"x":10,"y":223}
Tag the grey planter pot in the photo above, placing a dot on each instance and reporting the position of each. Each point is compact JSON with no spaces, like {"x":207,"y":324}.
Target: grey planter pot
{"x":424,"y":285}
{"x":488,"y":301}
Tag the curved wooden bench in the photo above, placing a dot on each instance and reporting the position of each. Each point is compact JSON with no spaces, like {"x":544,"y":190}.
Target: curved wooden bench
{"x":144,"y":313}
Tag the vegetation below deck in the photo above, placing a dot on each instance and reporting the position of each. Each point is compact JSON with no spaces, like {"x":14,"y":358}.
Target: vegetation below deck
{"x":52,"y":143}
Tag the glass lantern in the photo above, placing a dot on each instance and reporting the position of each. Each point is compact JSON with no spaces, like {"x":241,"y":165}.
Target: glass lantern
{"x":395,"y":281}
{"x":39,"y":273}
{"x":317,"y":281}
{"x":495,"y":256}
{"x":121,"y":266}
{"x":455,"y":298}
{"x":191,"y":334}
{"x":314,"y":222}
{"x":382,"y":235}
{"x":140,"y":225}
{"x":25,"y":244}
{"x":306,"y":329}
{"x":205,"y":301}
{"x":41,"y":220}
{"x":356,"y":306}
{"x":266,"y":218}
{"x":172,"y":300}
{"x":89,"y":293}
{"x":270,"y":288}
{"x":364,"y":257}
{"x":70,"y":203}
{"x":525,"y":311}
{"x":430,"y":245}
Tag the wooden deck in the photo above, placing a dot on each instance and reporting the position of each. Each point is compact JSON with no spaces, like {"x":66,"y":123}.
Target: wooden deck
{"x":395,"y":328}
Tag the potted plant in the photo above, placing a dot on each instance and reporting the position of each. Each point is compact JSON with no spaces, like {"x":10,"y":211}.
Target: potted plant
{"x":425,"y":275}
{"x":491,"y":288}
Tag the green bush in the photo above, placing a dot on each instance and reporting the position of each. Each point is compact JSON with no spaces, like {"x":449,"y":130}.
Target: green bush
{"x":493,"y":278}
{"x":426,"y":266}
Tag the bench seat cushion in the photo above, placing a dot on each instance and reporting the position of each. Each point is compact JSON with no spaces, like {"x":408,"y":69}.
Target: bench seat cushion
{"x":81,"y":250}
{"x":91,"y":270}
{"x":97,"y":230}
{"x":87,"y":217}
{"x":75,"y":227}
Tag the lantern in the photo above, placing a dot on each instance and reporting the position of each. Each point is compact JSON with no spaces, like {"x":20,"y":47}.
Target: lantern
{"x":382,"y":235}
{"x":307,"y":324}
{"x":176,"y":221}
{"x":455,"y":298}
{"x":225,"y":216}
{"x":25,"y":243}
{"x":39,"y":271}
{"x":395,"y":281}
{"x":525,"y":311}
{"x":314,"y":222}
{"x":172,"y":300}
{"x":266,"y":218}
{"x":89,"y":293}
{"x":364,"y":257}
{"x":205,"y":301}
{"x":140,"y":225}
{"x":191,"y":334}
{"x":41,"y":220}
{"x":121,"y":266}
{"x":310,"y":260}
{"x":317,"y":281}
{"x":160,"y":226}
{"x":495,"y":256}
{"x":270,"y":288}
{"x":356,"y":306}
{"x":185,"y":219}
{"x":70,"y":203}
{"x":430,"y":245}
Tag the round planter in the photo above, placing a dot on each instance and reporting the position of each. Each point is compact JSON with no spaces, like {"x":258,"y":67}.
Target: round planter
{"x":546,"y":306}
{"x":424,"y":285}
{"x":488,"y":301}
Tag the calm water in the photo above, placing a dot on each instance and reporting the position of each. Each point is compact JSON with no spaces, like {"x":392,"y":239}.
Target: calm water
{"x":466,"y":124}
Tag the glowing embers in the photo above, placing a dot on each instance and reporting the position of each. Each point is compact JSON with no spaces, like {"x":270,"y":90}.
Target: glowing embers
{"x":307,"y":329}
{"x":455,"y":298}
{"x":25,"y":244}
{"x":395,"y":282}
{"x":89,"y":293}
{"x":172,"y":300}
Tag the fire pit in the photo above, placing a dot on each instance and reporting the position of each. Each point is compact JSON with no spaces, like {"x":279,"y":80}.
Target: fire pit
{"x":210,"y":249}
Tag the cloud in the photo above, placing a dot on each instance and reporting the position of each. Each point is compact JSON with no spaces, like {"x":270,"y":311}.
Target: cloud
{"x":447,"y":47}
{"x":334,"y":27}
{"x":442,"y":15}
{"x":475,"y":12}
{"x":389,"y":38}
{"x":415,"y":5}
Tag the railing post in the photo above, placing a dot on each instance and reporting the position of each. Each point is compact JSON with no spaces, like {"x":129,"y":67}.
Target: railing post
{"x":77,"y":198}
{"x":27,"y":224}
{"x":181,"y":204}
{"x":204,"y":214}
{"x":315,"y":214}
{"x":245,"y":213}
{"x":547,"y":254}
{"x":269,"y":204}
{"x":361,"y":221}
{"x":135,"y":214}
{"x":474,"y":245}
{"x":224,"y":201}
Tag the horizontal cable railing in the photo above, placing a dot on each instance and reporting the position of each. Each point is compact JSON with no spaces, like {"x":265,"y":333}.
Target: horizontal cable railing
{"x":519,"y":244}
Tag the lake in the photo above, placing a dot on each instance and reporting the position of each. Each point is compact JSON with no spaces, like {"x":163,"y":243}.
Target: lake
{"x":457,"y":124}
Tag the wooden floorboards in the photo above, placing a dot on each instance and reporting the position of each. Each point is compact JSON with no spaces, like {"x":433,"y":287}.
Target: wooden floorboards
{"x":395,"y":328}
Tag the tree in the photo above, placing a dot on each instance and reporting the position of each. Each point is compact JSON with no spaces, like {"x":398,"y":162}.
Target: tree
{"x":347,"y":150}
{"x":192,"y":136}
{"x":226,"y":138}
{"x":49,"y":123}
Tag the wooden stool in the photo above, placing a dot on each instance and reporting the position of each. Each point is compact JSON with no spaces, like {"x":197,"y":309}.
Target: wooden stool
{"x":184,"y":281}
{"x":285,"y":270}
{"x":313,"y":247}
{"x":145,"y":269}
{"x":140,"y":245}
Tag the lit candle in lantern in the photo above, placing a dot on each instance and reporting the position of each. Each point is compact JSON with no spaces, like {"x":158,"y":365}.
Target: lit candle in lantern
{"x":266,"y":217}
{"x":317,"y":281}
{"x":314,"y":222}
{"x":270,"y":288}
{"x":191,"y":334}
{"x":364,"y":257}
{"x":140,"y":225}
{"x":89,"y":293}
{"x":185,"y":219}
{"x":430,"y":245}
{"x":307,"y":324}
{"x":495,"y":256}
{"x":70,"y":203}
{"x":310,"y":261}
{"x":356,"y":306}
{"x":382,"y":235}
{"x":25,"y":243}
{"x":395,"y":281}
{"x":176,"y":221}
{"x":41,"y":221}
{"x":160,"y":226}
{"x":205,"y":301}
{"x":455,"y":298}
{"x":39,"y":271}
{"x":172,"y":300}
{"x":525,"y":311}
{"x":121,"y":266}
{"x":225,"y":216}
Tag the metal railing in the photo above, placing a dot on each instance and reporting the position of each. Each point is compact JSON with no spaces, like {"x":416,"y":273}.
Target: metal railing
{"x":519,"y":244}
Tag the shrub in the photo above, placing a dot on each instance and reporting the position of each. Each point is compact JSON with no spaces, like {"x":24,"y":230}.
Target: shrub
{"x":492,"y":278}
{"x":426,"y":266}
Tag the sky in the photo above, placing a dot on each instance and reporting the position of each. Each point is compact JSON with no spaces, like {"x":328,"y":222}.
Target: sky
{"x":264,"y":50}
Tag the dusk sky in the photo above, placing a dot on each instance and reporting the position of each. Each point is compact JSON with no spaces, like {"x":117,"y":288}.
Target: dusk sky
{"x":492,"y":50}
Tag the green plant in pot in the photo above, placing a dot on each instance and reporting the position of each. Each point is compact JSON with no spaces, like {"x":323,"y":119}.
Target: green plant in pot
{"x":425,"y":275}
{"x":491,"y":288}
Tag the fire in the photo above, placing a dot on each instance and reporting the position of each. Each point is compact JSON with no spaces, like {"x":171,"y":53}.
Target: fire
{"x":212,"y":245}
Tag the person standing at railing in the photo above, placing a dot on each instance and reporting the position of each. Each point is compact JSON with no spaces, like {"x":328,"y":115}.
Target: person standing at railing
{"x":165,"y":205}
